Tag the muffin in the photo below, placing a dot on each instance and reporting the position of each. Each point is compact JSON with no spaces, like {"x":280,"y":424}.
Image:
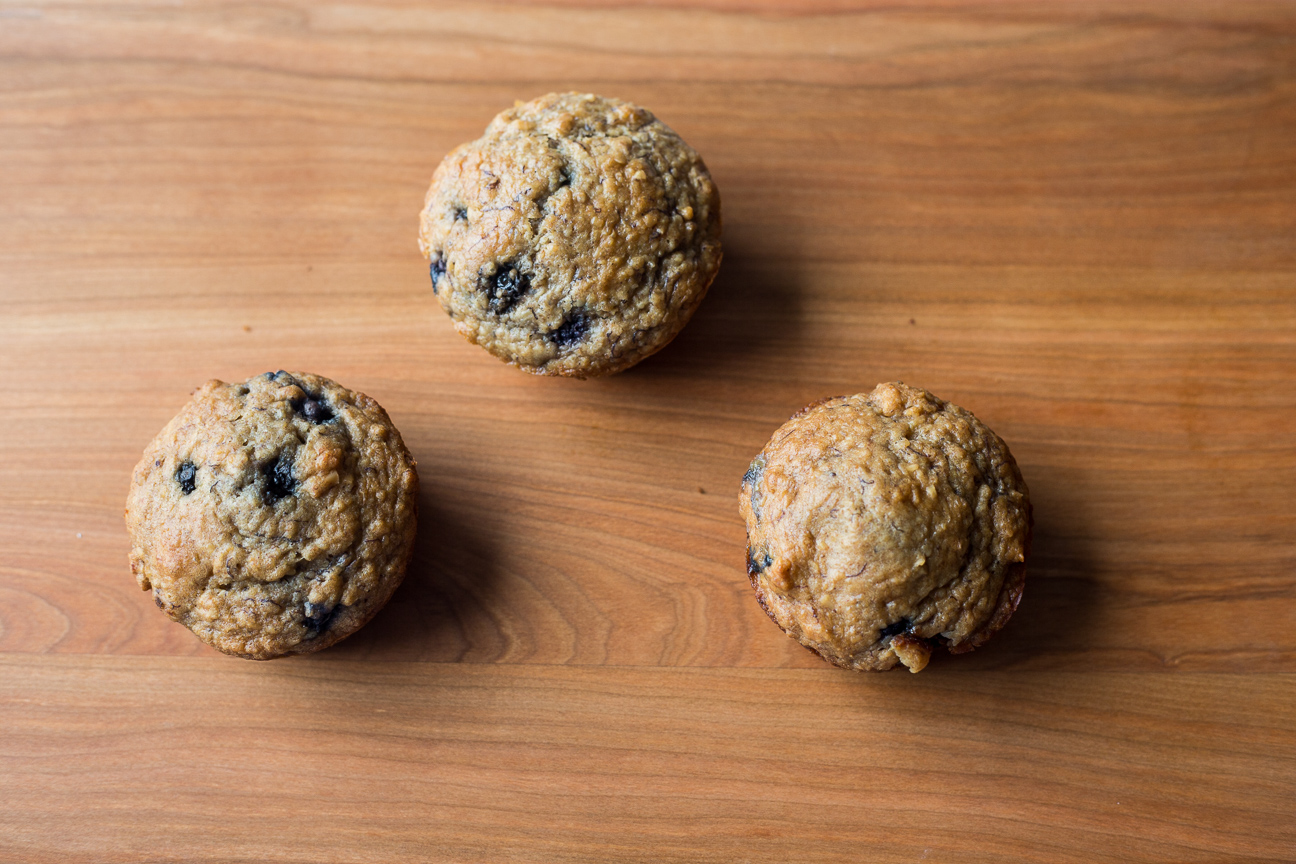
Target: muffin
{"x":275,"y":516}
{"x":884,"y":524}
{"x":575,"y":238}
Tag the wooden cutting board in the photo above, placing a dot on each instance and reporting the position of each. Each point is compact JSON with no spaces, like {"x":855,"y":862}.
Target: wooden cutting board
{"x":1077,"y":220}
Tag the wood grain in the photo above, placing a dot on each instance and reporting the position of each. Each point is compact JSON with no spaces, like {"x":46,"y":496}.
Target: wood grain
{"x":493,"y":761}
{"x":1077,"y":220}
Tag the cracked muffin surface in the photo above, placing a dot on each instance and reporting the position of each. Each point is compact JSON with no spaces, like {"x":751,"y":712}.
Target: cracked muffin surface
{"x":883,"y":524}
{"x":275,"y":516}
{"x":575,"y":238}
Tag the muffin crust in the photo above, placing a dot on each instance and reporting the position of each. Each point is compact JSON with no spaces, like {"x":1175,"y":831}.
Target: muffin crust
{"x":275,"y":516}
{"x":883,"y":524}
{"x":575,"y":238}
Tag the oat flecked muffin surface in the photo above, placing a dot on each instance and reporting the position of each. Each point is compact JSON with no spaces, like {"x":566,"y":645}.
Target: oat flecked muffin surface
{"x":575,"y":238}
{"x":275,"y":516}
{"x":883,"y":524}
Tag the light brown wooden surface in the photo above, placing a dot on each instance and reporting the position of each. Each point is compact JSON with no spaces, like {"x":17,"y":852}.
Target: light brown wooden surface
{"x":1076,"y":220}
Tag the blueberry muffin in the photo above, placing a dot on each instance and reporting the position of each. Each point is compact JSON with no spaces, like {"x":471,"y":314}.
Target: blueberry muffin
{"x":275,"y":516}
{"x":884,"y":524}
{"x":575,"y":238}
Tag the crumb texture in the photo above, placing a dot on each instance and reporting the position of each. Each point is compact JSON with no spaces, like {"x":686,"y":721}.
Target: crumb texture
{"x":275,"y":516}
{"x":575,"y":238}
{"x":884,"y":524}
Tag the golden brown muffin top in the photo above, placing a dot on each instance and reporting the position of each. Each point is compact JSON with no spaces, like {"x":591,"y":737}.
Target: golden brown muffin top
{"x":883,"y":523}
{"x":575,"y":238}
{"x":274,"y":516}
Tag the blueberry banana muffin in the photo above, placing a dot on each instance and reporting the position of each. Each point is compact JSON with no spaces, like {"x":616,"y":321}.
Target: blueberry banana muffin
{"x":575,"y":238}
{"x":883,"y":524}
{"x":275,"y":516}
